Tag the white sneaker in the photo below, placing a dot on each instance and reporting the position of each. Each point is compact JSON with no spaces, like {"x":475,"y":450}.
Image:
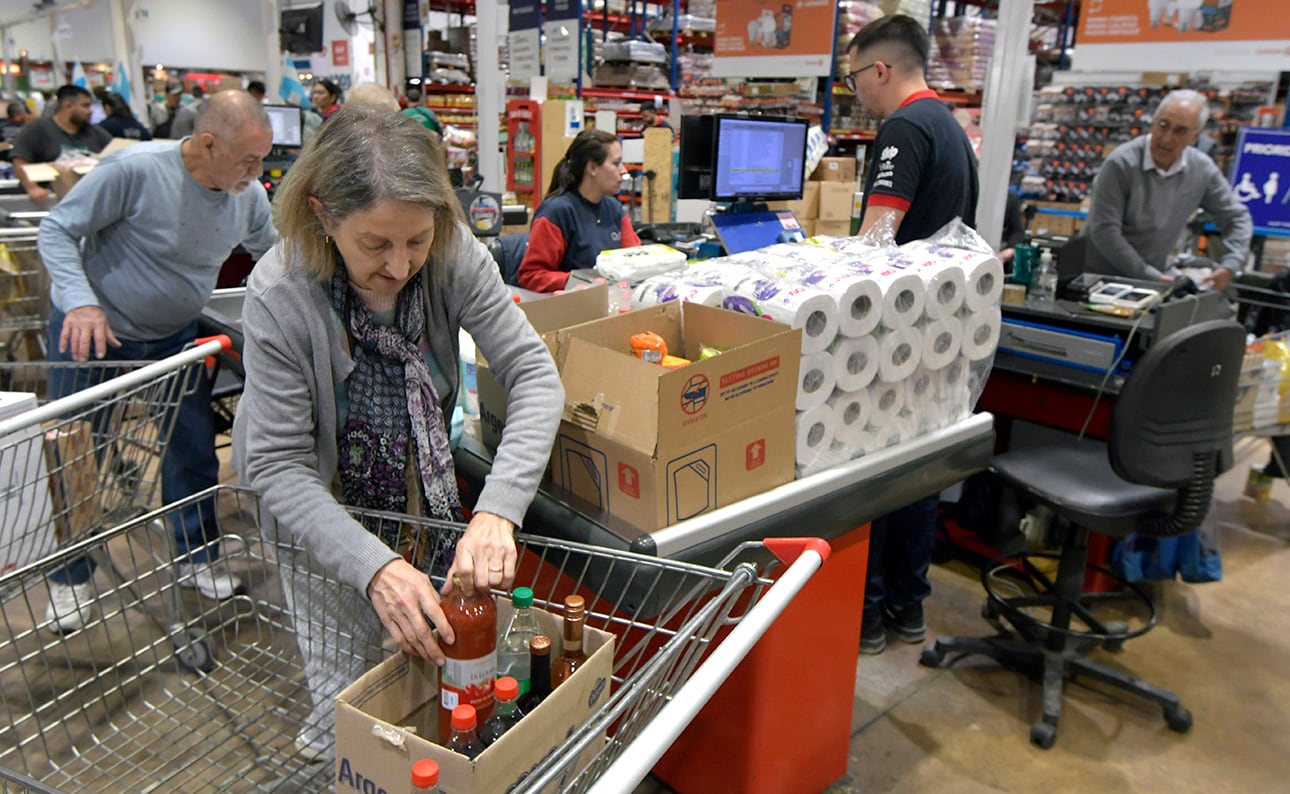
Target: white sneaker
{"x":70,"y":606}
{"x":211,"y":583}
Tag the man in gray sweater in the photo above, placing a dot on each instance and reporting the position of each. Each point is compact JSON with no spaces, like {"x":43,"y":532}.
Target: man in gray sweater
{"x":133,"y":253}
{"x":1147,"y":190}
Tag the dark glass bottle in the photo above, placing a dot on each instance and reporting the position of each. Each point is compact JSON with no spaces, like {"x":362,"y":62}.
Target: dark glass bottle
{"x":465,"y":733}
{"x":539,"y":672}
{"x":571,"y":653}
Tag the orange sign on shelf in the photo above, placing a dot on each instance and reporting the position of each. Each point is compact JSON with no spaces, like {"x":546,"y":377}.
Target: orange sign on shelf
{"x":340,"y":52}
{"x":1175,"y":21}
{"x":787,"y":38}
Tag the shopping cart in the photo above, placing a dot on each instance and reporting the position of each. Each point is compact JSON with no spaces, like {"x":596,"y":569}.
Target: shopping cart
{"x":24,"y":283}
{"x":74,"y":466}
{"x":111,"y":709}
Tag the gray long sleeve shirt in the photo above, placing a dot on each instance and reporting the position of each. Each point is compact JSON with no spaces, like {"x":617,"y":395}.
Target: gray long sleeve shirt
{"x":1138,"y":214}
{"x":141,"y":239}
{"x":284,"y":435}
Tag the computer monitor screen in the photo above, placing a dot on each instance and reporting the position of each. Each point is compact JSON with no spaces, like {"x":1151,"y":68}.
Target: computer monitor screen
{"x":286,"y":124}
{"x":758,"y":158}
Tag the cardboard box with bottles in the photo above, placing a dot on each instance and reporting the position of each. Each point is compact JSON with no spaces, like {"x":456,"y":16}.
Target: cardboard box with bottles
{"x":387,"y":720}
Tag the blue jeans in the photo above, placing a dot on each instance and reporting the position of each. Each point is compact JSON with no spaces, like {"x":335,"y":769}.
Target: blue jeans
{"x":190,"y":465}
{"x":900,"y":554}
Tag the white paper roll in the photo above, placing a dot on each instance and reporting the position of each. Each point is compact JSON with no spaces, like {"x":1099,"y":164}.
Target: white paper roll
{"x":859,"y":296}
{"x":942,"y":340}
{"x":885,"y":402}
{"x":942,"y":271}
{"x":898,"y":430}
{"x":815,"y":380}
{"x":855,"y":361}
{"x":981,"y":333}
{"x":899,"y":353}
{"x":797,"y":306}
{"x":815,"y":429}
{"x":661,"y":289}
{"x":903,"y":298}
{"x":984,"y":275}
{"x":952,"y":392}
{"x":852,"y":411}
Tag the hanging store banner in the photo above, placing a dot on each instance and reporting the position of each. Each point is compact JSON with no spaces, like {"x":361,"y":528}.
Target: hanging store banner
{"x":560,"y":50}
{"x":774,"y":38}
{"x":523,"y":42}
{"x":1260,"y":176}
{"x":1181,"y":35}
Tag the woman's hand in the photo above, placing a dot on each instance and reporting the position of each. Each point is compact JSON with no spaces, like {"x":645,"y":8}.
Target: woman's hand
{"x":485,"y":554}
{"x":403,"y":598}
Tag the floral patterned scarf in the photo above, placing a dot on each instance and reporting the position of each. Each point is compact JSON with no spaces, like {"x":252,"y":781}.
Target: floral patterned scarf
{"x":394,"y":411}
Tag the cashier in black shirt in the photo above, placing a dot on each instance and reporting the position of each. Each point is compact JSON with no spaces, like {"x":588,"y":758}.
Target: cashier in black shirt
{"x":922,"y":175}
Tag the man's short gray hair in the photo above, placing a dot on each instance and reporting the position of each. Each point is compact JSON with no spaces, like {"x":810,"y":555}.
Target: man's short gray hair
{"x":1187,"y":95}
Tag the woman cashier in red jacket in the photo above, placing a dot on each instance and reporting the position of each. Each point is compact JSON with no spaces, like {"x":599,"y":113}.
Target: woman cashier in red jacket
{"x":580,"y":215}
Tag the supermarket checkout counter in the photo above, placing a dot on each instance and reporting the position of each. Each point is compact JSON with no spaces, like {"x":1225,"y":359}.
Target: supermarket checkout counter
{"x":725,"y":748}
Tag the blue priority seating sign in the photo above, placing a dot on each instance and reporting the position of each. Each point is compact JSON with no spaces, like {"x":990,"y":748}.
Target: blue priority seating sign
{"x":1260,"y":176}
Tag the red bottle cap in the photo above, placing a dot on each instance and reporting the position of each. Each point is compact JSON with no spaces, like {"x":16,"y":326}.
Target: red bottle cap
{"x":425,"y":773}
{"x":463,"y":718}
{"x":507,"y":689}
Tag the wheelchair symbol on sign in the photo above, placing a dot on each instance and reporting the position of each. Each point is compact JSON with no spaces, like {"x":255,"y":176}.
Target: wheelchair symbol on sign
{"x":694,"y":395}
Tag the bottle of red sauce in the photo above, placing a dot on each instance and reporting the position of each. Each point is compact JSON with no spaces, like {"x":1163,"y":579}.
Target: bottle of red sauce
{"x":468,"y":676}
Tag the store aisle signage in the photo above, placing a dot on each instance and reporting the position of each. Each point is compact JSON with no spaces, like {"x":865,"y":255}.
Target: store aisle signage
{"x":1260,"y":176}
{"x":560,"y":27}
{"x":774,"y":38}
{"x":524,"y":40}
{"x":1168,"y":34}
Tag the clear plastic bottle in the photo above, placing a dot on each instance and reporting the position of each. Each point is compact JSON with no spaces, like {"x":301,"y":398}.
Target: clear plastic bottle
{"x":425,"y":777}
{"x":465,"y":733}
{"x":1043,"y":287}
{"x":513,"y":648}
{"x":506,"y":715}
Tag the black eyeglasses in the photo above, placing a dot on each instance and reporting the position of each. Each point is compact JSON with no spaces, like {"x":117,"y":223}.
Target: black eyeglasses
{"x":849,"y":79}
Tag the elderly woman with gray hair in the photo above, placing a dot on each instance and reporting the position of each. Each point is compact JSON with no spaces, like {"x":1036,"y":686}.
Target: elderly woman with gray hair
{"x":351,"y":354}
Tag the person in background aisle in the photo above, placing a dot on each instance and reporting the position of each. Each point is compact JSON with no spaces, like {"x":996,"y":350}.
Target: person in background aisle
{"x":650,"y":117}
{"x":351,"y":356}
{"x":373,"y":95}
{"x":133,"y":254}
{"x":256,"y":89}
{"x":922,"y":176}
{"x":163,"y":115}
{"x":326,"y":98}
{"x":1014,"y":230}
{"x":120,"y":121}
{"x":44,"y":140}
{"x":422,"y":114}
{"x":186,"y":119}
{"x":580,"y":215}
{"x":16,"y":117}
{"x":1147,"y":190}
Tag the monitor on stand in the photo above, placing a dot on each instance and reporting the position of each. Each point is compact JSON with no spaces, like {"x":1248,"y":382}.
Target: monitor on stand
{"x":756,"y":159}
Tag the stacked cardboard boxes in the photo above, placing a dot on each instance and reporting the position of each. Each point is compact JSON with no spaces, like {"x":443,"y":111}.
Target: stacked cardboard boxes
{"x":827,"y":198}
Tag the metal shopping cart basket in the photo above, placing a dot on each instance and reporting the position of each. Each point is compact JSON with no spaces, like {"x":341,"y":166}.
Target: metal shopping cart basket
{"x":90,"y":459}
{"x":24,"y":283}
{"x":111,"y":709}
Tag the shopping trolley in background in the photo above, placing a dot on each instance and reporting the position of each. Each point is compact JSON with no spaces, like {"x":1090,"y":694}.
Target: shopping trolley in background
{"x":111,"y":709}
{"x":24,"y":284}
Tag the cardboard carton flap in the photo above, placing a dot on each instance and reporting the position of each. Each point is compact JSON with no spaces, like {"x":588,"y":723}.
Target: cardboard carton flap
{"x":614,"y":391}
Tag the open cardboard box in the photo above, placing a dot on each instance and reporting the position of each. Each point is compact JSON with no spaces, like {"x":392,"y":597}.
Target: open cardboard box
{"x":654,"y":446}
{"x":546,"y":315}
{"x":382,"y":717}
{"x":64,"y":178}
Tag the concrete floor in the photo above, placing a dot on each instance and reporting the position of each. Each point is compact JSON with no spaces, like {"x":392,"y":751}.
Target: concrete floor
{"x":1221,"y":646}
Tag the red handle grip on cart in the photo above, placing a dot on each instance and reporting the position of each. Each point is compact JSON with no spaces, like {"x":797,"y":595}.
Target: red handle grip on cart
{"x":225,"y":343}
{"x":787,"y":550}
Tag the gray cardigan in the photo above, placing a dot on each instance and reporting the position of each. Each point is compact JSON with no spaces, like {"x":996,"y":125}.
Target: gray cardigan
{"x":284,"y":435}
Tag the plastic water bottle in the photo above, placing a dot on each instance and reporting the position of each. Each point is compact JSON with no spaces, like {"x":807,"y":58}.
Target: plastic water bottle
{"x":1043,"y":287}
{"x":513,"y":649}
{"x":469,"y":386}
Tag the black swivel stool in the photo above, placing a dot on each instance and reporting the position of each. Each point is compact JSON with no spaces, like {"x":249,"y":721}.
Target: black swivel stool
{"x":1171,"y":435}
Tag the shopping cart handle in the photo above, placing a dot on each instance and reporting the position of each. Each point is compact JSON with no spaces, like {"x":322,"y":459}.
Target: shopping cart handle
{"x":787,"y":550}
{"x":225,"y":343}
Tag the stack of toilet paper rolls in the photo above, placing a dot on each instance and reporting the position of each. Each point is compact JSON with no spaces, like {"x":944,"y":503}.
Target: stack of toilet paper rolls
{"x":896,"y":342}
